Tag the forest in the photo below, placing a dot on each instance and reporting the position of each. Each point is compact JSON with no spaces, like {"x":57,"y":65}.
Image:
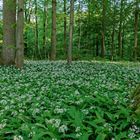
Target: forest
{"x":69,"y":69}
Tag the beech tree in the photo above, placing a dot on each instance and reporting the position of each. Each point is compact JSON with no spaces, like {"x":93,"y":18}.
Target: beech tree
{"x":36,"y":50}
{"x":103,"y":28}
{"x":9,"y":32}
{"x":136,"y":16}
{"x":45,"y":27}
{"x":19,"y":35}
{"x":53,"y":34}
{"x":120,"y":29}
{"x":71,"y":31}
{"x":65,"y":27}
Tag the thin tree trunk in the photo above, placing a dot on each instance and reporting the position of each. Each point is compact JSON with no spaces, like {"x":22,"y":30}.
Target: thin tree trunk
{"x":120,"y":31}
{"x":19,"y":36}
{"x":53,"y":36}
{"x":88,"y":42}
{"x":135,"y":52}
{"x":71,"y":32}
{"x":28,"y":10}
{"x":97,"y":45}
{"x":9,"y":32}
{"x":79,"y":22}
{"x":65,"y":27}
{"x":36,"y":51}
{"x":45,"y":24}
{"x":112,"y":45}
{"x":113,"y":33}
{"x":103,"y":29}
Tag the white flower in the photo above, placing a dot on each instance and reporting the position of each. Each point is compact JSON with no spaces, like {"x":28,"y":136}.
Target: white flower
{"x":2,"y":125}
{"x":77,"y":92}
{"x":18,"y":138}
{"x":85,"y":111}
{"x":54,"y":122}
{"x":131,"y":135}
{"x":78,"y":135}
{"x":63,"y":128}
{"x":59,"y":111}
{"x":77,"y":129}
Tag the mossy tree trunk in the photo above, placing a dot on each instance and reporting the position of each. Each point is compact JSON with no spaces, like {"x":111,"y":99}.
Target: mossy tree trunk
{"x":136,"y":100}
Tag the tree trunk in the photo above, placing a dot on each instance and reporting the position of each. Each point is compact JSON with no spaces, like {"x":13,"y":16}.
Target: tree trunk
{"x":79,"y":22}
{"x":65,"y":27}
{"x":103,"y":29}
{"x":120,"y":30}
{"x":97,"y":45}
{"x":112,"y":45}
{"x":45,"y":25}
{"x":136,"y":30}
{"x":113,"y":32}
{"x":53,"y":36}
{"x":37,"y":51}
{"x":9,"y":32}
{"x":71,"y":32}
{"x":19,"y":36}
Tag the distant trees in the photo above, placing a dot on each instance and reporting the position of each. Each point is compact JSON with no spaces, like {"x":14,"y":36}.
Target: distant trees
{"x":105,"y":29}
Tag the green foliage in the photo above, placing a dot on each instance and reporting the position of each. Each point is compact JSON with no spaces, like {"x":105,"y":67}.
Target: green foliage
{"x":53,"y":100}
{"x":136,"y":100}
{"x":87,"y":25}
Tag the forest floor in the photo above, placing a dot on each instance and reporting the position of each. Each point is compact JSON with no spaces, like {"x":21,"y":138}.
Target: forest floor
{"x":53,"y":100}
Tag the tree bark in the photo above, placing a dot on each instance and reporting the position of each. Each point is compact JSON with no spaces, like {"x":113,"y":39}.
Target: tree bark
{"x":9,"y":32}
{"x":135,"y":52}
{"x":36,"y":51}
{"x":45,"y":26}
{"x":69,"y":59}
{"x":53,"y":36}
{"x":19,"y":36}
{"x":79,"y":22}
{"x":113,"y":33}
{"x":120,"y":30}
{"x":103,"y":29}
{"x":65,"y":27}
{"x":97,"y":45}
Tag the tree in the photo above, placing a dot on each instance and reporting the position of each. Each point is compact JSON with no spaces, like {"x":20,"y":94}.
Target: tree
{"x":113,"y":31}
{"x":120,"y":30}
{"x":53,"y":34}
{"x":19,"y":36}
{"x":36,"y":51}
{"x":45,"y":26}
{"x":79,"y":22}
{"x":69,"y":59}
{"x":65,"y":27}
{"x":136,"y":100}
{"x":136,"y":30}
{"x":103,"y":28}
{"x":9,"y":32}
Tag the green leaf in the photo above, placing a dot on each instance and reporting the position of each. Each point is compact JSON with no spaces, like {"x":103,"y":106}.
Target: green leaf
{"x":101,"y":137}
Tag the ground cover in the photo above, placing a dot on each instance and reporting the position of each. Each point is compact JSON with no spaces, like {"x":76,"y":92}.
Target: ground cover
{"x":51,"y":100}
